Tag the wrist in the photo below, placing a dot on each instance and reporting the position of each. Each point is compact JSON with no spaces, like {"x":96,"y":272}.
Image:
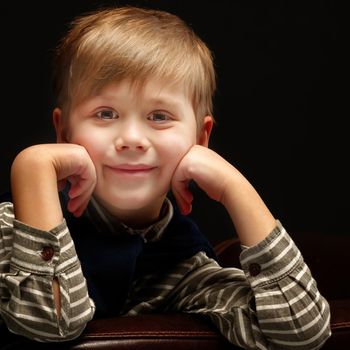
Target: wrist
{"x":234,"y":186}
{"x":250,"y":216}
{"x":34,"y":189}
{"x":31,"y":171}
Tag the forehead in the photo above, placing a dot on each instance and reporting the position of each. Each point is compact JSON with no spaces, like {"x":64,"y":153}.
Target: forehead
{"x":154,"y":91}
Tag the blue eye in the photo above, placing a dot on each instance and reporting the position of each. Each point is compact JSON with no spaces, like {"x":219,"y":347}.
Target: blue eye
{"x":159,"y":117}
{"x":107,"y":115}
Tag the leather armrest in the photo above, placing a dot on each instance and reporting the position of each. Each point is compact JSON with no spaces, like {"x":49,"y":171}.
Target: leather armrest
{"x":153,"y":332}
{"x":168,"y":331}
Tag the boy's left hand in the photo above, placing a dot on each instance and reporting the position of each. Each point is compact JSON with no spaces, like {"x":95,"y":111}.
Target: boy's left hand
{"x":208,"y":169}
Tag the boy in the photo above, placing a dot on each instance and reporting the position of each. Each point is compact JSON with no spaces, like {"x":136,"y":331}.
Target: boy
{"x":134,"y":94}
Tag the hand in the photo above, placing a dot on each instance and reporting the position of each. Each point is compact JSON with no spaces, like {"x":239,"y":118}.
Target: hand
{"x":224,"y":183}
{"x":39,"y":171}
{"x":208,"y":169}
{"x":72,"y":163}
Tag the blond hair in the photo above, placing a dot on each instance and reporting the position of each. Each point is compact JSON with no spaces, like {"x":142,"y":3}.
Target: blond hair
{"x":128,"y":42}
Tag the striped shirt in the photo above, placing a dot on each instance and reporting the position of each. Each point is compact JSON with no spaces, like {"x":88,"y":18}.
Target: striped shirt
{"x":275,"y":306}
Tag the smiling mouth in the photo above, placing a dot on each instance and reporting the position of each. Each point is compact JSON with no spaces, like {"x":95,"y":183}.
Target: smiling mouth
{"x":127,"y":169}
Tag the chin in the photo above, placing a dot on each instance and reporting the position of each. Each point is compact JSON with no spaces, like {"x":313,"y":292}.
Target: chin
{"x":130,"y":202}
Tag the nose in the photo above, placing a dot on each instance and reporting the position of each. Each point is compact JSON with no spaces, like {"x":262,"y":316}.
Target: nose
{"x":131,"y":136}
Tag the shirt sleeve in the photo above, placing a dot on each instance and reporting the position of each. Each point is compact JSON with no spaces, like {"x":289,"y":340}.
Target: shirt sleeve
{"x":29,"y":261}
{"x":271,"y":303}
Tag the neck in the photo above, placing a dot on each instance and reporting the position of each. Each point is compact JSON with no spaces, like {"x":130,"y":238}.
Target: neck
{"x":139,"y":218}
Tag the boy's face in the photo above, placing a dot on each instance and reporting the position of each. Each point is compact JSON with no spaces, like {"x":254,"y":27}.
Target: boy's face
{"x":136,"y":136}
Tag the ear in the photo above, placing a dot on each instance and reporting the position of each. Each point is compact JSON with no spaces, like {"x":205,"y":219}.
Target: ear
{"x":61,"y":136}
{"x":204,"y":133}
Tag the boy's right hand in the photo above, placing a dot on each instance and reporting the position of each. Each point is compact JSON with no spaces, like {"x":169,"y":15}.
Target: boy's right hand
{"x":39,"y":171}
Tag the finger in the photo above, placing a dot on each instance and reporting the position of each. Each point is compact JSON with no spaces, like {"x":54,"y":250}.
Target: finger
{"x":79,"y":211}
{"x":77,"y":189}
{"x":77,"y":206}
{"x":61,"y":185}
{"x":182,"y":188}
{"x":184,"y":200}
{"x":82,"y":181}
{"x":80,"y":186}
{"x":77,"y":201}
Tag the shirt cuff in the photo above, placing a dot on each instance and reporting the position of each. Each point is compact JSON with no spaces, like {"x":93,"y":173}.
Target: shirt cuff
{"x":272,"y":259}
{"x":42,"y":252}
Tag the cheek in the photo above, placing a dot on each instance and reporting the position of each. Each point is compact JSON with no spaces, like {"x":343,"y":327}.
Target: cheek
{"x":175,"y":146}
{"x":91,"y":141}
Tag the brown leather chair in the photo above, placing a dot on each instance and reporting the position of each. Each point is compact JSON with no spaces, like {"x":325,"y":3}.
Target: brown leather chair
{"x":326,"y":255}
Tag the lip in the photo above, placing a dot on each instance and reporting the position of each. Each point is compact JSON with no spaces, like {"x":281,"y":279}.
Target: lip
{"x":131,"y":169}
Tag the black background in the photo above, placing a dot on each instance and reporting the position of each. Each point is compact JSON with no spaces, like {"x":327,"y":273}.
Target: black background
{"x":280,"y":105}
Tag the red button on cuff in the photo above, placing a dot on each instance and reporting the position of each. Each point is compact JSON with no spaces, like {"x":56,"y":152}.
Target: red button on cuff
{"x":254,"y":269}
{"x":47,"y":253}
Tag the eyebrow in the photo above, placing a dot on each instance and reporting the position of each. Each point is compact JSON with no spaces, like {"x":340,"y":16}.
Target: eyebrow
{"x":163,"y":102}
{"x":159,"y":100}
{"x":166,"y":101}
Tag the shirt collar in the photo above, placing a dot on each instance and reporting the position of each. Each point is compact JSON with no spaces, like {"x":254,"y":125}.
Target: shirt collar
{"x":109,"y":224}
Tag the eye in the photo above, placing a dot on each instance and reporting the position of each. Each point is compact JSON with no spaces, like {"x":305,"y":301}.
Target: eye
{"x":107,"y":114}
{"x":158,"y":117}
